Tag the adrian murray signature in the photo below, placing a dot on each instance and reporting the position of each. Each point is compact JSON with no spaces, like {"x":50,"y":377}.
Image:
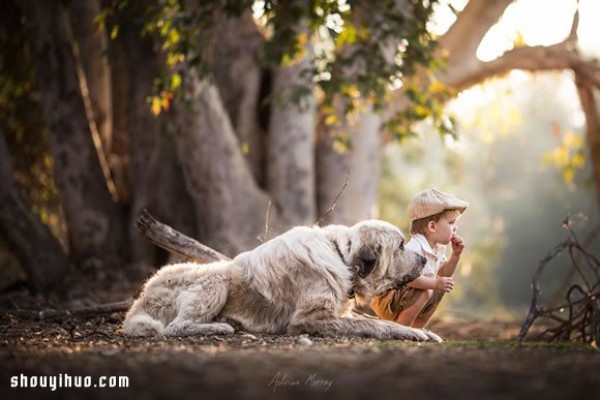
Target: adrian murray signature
{"x":312,"y":381}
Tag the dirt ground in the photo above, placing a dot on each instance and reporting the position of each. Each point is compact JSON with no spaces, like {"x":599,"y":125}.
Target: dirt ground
{"x":478,"y":360}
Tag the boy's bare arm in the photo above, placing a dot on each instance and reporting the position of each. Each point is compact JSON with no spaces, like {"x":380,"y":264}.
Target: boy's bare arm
{"x":458,"y":245}
{"x":442,"y":283}
{"x":423,"y":282}
{"x":449,"y":266}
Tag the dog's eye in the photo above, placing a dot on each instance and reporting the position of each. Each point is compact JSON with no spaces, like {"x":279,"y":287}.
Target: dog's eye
{"x":401,"y":247}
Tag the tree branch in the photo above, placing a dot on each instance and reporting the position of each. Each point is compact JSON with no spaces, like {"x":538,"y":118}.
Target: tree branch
{"x":464,"y":36}
{"x":332,"y":207}
{"x":592,"y":118}
{"x":574,"y":26}
{"x":560,"y":56}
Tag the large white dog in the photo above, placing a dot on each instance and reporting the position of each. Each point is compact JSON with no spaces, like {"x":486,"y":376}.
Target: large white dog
{"x":302,"y":281}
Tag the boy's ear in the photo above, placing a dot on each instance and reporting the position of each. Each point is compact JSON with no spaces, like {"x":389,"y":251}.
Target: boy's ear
{"x":431,"y":225}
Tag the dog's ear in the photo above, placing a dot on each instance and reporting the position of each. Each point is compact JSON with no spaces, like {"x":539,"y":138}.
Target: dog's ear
{"x":367,"y":259}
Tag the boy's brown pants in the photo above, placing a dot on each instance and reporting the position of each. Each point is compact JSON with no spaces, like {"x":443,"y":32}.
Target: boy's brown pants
{"x":392,"y":303}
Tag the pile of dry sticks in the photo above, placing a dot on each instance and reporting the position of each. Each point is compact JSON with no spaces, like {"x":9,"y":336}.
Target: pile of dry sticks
{"x":576,"y":316}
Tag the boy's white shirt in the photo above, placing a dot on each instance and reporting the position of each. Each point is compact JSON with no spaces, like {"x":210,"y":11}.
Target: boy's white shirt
{"x":436,"y":257}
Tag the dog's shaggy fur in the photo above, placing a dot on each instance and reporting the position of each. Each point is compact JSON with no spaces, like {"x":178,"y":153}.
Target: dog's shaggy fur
{"x":299,"y":282}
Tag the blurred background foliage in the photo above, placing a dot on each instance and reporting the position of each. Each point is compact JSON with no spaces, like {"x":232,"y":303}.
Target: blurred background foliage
{"x":513,"y":160}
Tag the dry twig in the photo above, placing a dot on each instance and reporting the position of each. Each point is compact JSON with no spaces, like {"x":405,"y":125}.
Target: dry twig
{"x":266,"y":236}
{"x":337,"y":197}
{"x":578,"y":319}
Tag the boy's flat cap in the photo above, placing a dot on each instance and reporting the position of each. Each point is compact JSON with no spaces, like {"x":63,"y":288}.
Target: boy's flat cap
{"x":432,"y":201}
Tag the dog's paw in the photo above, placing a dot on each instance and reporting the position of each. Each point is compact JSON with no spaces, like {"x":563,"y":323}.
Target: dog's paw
{"x":402,"y":332}
{"x":432,"y":336}
{"x":222,"y":328}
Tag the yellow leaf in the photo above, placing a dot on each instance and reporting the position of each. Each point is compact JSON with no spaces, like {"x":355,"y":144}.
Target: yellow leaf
{"x":561,"y":156}
{"x":175,"y":81}
{"x":347,"y":36}
{"x":519,"y":40}
{"x":156,"y":105}
{"x":331,"y":120}
{"x":352,"y":91}
{"x":114,"y":32}
{"x":568,"y":175}
{"x":578,"y":160}
{"x":437,"y":87}
{"x":166,"y":100}
{"x":173,"y":37}
{"x":173,"y":59}
{"x":421,"y":112}
{"x":302,"y":39}
{"x":572,"y":140}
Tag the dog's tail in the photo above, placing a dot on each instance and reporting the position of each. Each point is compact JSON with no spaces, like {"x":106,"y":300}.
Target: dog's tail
{"x":139,"y":323}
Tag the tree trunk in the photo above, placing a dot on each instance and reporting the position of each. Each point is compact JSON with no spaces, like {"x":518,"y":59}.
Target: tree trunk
{"x":157,"y":181}
{"x":93,"y":46}
{"x":591,"y":108}
{"x":239,"y":78}
{"x":230,"y":208}
{"x":41,"y":256}
{"x":119,"y":159}
{"x":361,"y":163}
{"x":95,"y":233}
{"x":291,"y":150}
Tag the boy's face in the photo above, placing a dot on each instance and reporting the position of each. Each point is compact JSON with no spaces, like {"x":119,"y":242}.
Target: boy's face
{"x":441,"y":231}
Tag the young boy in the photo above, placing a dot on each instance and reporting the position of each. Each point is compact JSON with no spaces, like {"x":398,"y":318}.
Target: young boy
{"x":433,"y":216}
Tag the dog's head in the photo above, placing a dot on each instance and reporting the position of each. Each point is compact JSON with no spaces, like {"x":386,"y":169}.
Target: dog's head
{"x":375,"y":252}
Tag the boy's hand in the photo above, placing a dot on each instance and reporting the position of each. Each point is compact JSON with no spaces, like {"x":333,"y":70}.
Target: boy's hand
{"x":458,"y":245}
{"x":444,"y":283}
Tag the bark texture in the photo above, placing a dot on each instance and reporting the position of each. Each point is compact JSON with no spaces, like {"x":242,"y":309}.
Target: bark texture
{"x":239,"y":79}
{"x":291,"y":150}
{"x":95,"y":232}
{"x":361,"y":163}
{"x":591,"y":108}
{"x":176,"y":242}
{"x":216,"y":173}
{"x":92,"y":45}
{"x":42,"y":257}
{"x":156,"y":175}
